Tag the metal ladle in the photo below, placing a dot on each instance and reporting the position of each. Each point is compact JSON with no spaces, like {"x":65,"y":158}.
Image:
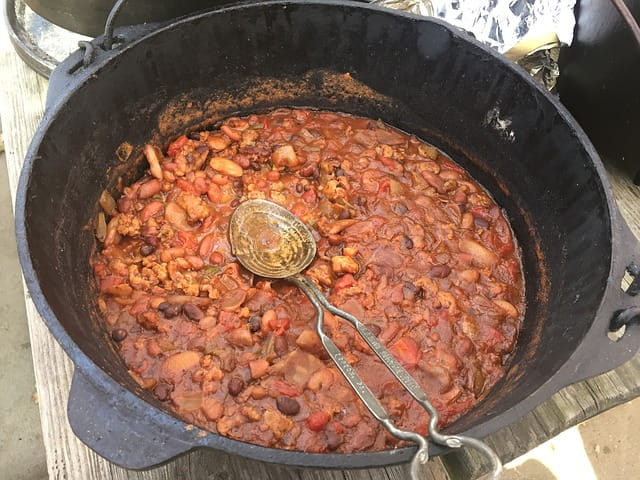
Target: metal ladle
{"x":271,"y":242}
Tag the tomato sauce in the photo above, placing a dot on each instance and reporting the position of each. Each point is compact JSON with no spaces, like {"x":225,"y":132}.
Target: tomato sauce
{"x":406,"y":241}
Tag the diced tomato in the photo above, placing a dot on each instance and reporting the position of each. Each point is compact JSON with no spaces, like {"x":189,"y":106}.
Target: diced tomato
{"x":482,"y":212}
{"x":286,"y":389}
{"x":184,"y":185}
{"x":318,"y":421}
{"x":177,"y":145}
{"x":298,"y":209}
{"x":309,"y":196}
{"x":140,"y":306}
{"x":344,"y":281}
{"x":110,"y":281}
{"x":384,"y":187}
{"x":506,"y":249}
{"x":187,"y":239}
{"x":406,"y":351}
{"x":387,"y":162}
{"x":336,"y":427}
{"x":228,"y":321}
{"x":279,"y":325}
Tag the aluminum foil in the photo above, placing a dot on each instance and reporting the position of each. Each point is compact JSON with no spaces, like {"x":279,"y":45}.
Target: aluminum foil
{"x":500,"y":24}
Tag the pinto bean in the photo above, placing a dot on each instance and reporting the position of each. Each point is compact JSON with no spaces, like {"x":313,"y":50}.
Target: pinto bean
{"x":153,"y":155}
{"x":149,"y":189}
{"x":226,"y":166}
{"x":434,"y":180}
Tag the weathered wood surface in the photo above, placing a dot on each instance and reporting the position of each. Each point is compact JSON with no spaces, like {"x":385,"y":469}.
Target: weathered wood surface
{"x":22,"y":95}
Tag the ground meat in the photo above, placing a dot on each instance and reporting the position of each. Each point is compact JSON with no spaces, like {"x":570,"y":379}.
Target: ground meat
{"x":406,"y":241}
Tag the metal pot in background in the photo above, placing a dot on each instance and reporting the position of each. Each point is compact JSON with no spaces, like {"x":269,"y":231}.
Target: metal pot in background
{"x":88,"y":16}
{"x":600,"y":81}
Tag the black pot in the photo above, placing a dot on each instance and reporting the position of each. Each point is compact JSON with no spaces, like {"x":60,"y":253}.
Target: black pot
{"x":88,"y":16}
{"x":419,"y":75}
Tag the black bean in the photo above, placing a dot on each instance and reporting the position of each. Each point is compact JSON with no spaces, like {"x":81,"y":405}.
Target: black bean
{"x":170,"y":310}
{"x":236,"y":385}
{"x":192,"y":312}
{"x":407,"y":242}
{"x":194,"y":136}
{"x":480,"y":222}
{"x":119,"y":334}
{"x":254,"y":165}
{"x":399,"y":208}
{"x":234,"y":203}
{"x":375,"y":329}
{"x":439,"y":271}
{"x":333,"y":439}
{"x":288,"y":406}
{"x":254,"y":324}
{"x":147,"y":250}
{"x":280,"y":345}
{"x":299,"y":188}
{"x":162,"y":391}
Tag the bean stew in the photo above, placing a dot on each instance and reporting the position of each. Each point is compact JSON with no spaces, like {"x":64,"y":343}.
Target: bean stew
{"x":407,"y":242}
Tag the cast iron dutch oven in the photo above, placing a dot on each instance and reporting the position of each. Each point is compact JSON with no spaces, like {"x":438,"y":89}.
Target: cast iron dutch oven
{"x":419,"y":75}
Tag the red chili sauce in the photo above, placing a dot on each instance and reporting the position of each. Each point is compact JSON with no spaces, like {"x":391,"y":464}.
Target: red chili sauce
{"x":407,"y":242}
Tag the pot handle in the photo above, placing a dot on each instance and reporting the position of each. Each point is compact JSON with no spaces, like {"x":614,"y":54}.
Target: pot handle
{"x":109,"y":420}
{"x":609,"y":346}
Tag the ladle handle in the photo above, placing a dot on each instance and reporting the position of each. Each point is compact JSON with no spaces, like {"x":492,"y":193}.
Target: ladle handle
{"x":398,"y":371}
{"x":362,"y":390}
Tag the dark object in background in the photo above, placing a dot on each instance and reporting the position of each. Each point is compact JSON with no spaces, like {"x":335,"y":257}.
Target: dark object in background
{"x":600,"y":81}
{"x":88,"y":16}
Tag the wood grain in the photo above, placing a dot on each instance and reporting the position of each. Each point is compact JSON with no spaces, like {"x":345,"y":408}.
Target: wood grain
{"x":22,"y":95}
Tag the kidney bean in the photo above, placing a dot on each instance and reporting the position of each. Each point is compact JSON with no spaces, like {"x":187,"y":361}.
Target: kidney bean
{"x":280,"y":345}
{"x":192,"y":312}
{"x":147,"y":250}
{"x":119,"y":334}
{"x":235,"y":386}
{"x":287,"y":405}
{"x":439,"y":271}
{"x":149,"y":189}
{"x":407,"y":242}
